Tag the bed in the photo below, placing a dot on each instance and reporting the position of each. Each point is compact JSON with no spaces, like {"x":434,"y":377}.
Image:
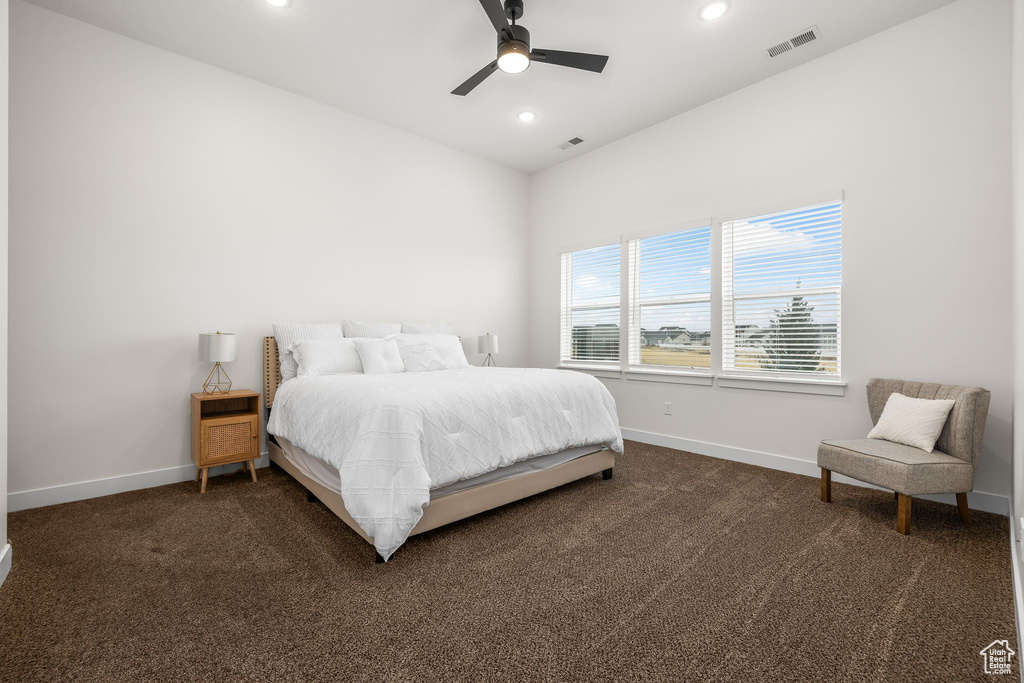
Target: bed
{"x":419,"y":477}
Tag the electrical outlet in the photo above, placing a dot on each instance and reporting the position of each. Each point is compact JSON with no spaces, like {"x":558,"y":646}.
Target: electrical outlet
{"x":668,"y":407}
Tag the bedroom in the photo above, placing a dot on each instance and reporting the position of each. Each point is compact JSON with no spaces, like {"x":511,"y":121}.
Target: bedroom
{"x":179,"y":168}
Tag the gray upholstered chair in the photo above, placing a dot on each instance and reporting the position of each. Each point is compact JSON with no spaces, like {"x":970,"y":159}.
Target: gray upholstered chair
{"x":910,"y":471}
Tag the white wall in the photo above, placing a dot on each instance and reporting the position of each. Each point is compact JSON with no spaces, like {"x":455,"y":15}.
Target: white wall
{"x":917,"y":134}
{"x":5,"y":551}
{"x":1017,"y":110}
{"x":155,"y":197}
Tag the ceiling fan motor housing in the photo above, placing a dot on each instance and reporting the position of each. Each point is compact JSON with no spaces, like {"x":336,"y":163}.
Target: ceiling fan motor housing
{"x":519,"y":35}
{"x":514,"y":9}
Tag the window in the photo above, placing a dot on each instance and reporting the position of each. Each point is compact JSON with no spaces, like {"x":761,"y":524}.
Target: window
{"x":781,"y":293}
{"x":591,"y":301}
{"x":670,"y":300}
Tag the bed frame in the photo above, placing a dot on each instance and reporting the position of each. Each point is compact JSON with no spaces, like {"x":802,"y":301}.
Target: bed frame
{"x":444,"y":509}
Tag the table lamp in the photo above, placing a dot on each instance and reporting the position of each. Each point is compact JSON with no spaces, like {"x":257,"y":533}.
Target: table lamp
{"x":487,"y":343}
{"x":218,"y":347}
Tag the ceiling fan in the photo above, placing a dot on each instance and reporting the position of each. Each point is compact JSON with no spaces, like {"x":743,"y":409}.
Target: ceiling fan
{"x":514,"y":53}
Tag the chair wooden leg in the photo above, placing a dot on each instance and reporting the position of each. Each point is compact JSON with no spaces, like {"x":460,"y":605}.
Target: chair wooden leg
{"x":965,"y":512}
{"x":903,"y":515}
{"x":826,"y":485}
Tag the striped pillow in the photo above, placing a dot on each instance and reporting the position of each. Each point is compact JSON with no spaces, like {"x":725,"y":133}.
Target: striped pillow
{"x":354,"y":328}
{"x":427,"y":328}
{"x":290,"y":334}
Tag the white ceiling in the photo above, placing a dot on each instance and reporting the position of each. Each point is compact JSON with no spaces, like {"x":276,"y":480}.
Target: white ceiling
{"x":396,"y":61}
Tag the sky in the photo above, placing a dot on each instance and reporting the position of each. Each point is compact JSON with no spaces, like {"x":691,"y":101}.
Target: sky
{"x":772,"y":252}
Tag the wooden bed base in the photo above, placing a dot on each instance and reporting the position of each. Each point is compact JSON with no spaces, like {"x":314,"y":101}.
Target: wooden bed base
{"x":467,"y":502}
{"x":443,"y":509}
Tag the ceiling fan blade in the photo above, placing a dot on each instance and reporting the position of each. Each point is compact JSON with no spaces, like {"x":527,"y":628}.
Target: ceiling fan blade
{"x":496,"y":13}
{"x":476,"y":79}
{"x":573,"y":60}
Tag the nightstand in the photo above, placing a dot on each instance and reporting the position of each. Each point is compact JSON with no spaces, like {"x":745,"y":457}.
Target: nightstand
{"x":225,"y":430}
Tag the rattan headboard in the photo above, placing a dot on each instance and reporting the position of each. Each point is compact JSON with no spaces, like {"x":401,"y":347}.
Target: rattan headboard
{"x":271,"y":370}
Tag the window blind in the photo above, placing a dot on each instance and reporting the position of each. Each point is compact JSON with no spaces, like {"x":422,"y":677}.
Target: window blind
{"x":670,"y":300}
{"x":591,"y":304}
{"x":781,"y":298}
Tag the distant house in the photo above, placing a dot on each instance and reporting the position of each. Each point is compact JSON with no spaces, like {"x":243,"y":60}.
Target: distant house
{"x":670,"y":335}
{"x":829,"y":339}
{"x":749,"y":335}
{"x":595,"y":342}
{"x":752,"y":336}
{"x":701,"y":338}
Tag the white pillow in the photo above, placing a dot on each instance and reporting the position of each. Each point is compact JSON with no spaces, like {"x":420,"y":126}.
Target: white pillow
{"x":379,"y":356}
{"x":425,"y":352}
{"x":354,"y":328}
{"x":336,"y":356}
{"x":915,"y":422}
{"x":427,"y":328}
{"x":289,"y":334}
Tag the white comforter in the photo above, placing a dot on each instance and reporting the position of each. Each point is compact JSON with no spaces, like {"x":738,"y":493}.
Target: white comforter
{"x":394,"y":437}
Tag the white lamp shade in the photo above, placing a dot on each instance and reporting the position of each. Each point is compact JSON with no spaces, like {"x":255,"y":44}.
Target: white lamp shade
{"x":487,"y":343}
{"x":217,"y":347}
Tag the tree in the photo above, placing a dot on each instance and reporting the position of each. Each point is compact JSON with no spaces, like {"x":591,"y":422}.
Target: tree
{"x":792,"y":343}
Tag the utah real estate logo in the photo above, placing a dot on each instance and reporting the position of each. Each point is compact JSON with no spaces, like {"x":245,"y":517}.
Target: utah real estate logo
{"x":997,"y":657}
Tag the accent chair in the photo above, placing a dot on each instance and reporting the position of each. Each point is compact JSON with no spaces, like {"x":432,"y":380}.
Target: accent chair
{"x":910,"y":471}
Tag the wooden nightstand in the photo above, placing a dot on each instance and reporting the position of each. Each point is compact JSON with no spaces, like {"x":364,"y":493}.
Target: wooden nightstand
{"x":225,"y":430}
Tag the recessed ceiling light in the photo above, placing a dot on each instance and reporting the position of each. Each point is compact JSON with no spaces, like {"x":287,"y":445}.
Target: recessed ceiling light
{"x":278,"y":3}
{"x":713,"y":10}
{"x":526,"y":116}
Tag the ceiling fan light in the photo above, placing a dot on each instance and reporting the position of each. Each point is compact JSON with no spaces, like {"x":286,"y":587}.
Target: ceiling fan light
{"x":513,"y":57}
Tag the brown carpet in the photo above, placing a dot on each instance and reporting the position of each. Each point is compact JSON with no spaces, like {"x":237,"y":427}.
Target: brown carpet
{"x":681,"y":568}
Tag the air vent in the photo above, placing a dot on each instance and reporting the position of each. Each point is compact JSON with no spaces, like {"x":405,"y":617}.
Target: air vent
{"x":776,"y":50}
{"x":796,"y":41}
{"x":570,"y":143}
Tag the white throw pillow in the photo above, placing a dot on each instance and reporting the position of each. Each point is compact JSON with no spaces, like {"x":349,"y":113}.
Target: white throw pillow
{"x":425,"y":352}
{"x":354,"y":328}
{"x":337,"y":356}
{"x":289,"y":334}
{"x":379,"y":356}
{"x":427,"y":328}
{"x":915,"y":422}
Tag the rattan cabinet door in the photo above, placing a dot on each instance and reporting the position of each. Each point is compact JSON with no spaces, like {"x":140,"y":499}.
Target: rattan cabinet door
{"x":229,"y":439}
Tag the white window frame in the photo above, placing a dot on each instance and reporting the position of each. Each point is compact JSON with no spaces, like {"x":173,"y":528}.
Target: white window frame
{"x":832,"y":385}
{"x":635,"y":370}
{"x":782,"y":381}
{"x":605,"y":369}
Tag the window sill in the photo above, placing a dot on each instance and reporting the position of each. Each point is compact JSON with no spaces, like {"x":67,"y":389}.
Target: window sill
{"x":790,"y":384}
{"x":606,"y":372}
{"x":705,"y":379}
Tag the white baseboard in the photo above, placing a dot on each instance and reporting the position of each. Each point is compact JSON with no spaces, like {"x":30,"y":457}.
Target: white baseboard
{"x":66,"y":493}
{"x":978,"y":500}
{"x":1018,"y":595}
{"x":54,"y":495}
{"x":5,"y":561}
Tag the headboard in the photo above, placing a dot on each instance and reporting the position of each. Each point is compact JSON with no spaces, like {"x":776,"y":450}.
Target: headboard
{"x":271,"y":370}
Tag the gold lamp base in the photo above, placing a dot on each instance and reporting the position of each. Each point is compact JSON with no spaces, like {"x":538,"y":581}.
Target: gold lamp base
{"x":221,"y":384}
